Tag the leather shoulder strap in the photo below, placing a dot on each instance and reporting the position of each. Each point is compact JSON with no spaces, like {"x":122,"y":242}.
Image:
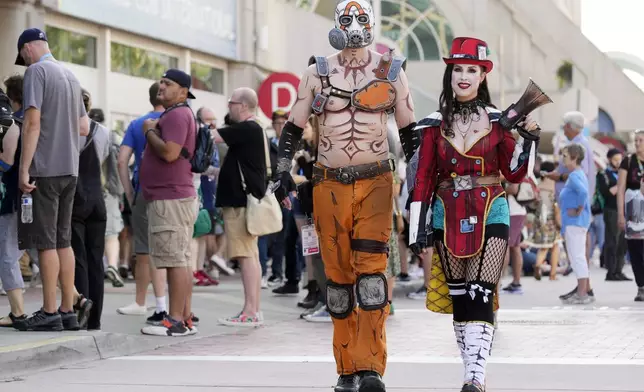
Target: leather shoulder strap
{"x":397,"y":64}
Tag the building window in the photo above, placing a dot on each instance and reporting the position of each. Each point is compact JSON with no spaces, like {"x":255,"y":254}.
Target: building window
{"x":140,"y":62}
{"x":417,"y":27}
{"x":207,"y":78}
{"x":72,"y":47}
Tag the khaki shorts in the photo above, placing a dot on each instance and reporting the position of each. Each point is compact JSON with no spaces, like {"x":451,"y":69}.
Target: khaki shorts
{"x":171,"y":224}
{"x":239,"y":243}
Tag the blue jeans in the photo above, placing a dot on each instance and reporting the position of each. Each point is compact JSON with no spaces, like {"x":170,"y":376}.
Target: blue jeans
{"x":272,"y":246}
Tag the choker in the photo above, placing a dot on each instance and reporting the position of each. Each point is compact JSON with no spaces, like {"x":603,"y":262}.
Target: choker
{"x":467,"y":111}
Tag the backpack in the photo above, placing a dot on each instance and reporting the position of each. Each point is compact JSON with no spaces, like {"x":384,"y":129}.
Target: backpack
{"x":204,"y":146}
{"x":597,"y":206}
{"x":112,"y":181}
{"x":204,"y":149}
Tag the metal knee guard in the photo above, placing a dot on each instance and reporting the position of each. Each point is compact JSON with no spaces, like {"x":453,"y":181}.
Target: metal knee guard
{"x":340,"y":299}
{"x":372,"y":291}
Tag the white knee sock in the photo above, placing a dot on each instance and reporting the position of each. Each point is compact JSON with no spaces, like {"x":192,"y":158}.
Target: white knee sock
{"x":478,"y":344}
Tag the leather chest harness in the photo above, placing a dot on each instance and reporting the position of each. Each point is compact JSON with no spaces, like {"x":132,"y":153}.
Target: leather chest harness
{"x":377,"y":96}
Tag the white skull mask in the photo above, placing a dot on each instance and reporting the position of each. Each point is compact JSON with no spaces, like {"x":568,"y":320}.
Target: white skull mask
{"x":354,"y":22}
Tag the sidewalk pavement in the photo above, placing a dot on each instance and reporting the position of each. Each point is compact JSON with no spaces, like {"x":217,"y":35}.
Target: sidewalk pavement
{"x":533,"y":326}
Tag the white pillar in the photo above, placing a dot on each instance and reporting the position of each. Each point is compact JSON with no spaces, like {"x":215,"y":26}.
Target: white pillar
{"x":103,"y":66}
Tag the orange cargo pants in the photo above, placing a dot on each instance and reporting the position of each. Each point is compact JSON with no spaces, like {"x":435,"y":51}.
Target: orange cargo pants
{"x":354,"y":223}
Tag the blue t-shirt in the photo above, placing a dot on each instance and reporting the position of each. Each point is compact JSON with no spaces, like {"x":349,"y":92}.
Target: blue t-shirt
{"x":573,"y":195}
{"x":135,"y":139}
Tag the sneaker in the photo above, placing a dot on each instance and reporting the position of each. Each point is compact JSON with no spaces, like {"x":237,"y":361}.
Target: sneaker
{"x":287,"y":289}
{"x":640,"y":295}
{"x":403,"y":277}
{"x":264,"y":282}
{"x":274,"y":281}
{"x":319,"y":316}
{"x":311,"y":311}
{"x":41,"y":321}
{"x":569,"y":294}
{"x":242,"y":320}
{"x":124,"y":271}
{"x":114,"y":277}
{"x":194,"y":319}
{"x":133,"y":309}
{"x":69,"y":319}
{"x":576,"y":299}
{"x":221,"y":264}
{"x":421,"y":293}
{"x":157,"y":318}
{"x":190,"y":325}
{"x":168,"y":327}
{"x":513,"y":288}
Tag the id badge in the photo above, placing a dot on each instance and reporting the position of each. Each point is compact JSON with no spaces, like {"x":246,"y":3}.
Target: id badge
{"x":310,"y":243}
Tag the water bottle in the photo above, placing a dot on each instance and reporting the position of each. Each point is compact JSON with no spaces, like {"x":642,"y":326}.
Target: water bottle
{"x":26,"y":208}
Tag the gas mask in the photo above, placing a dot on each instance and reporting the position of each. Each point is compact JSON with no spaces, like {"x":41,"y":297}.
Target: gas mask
{"x":354,"y":22}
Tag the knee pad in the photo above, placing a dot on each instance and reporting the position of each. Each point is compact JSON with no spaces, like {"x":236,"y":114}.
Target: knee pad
{"x":480,"y":301}
{"x":369,"y":246}
{"x":340,"y":299}
{"x":372,"y":291}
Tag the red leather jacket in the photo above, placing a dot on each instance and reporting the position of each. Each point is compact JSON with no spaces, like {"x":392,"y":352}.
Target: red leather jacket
{"x":466,"y":203}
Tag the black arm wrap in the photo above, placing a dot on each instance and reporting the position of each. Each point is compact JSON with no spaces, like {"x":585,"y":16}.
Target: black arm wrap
{"x":289,"y":140}
{"x":409,"y":140}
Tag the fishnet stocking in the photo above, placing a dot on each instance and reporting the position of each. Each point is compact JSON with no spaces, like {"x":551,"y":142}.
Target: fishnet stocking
{"x":488,"y":265}
{"x":485,"y":267}
{"x":453,"y":267}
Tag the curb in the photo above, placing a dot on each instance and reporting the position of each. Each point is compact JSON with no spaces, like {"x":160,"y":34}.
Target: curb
{"x":46,"y":354}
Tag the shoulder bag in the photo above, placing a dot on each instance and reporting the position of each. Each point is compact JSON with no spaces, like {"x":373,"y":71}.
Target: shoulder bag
{"x":263,"y":216}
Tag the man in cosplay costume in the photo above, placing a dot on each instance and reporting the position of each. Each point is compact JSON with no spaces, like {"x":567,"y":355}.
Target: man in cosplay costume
{"x":353,"y":92}
{"x":463,"y":151}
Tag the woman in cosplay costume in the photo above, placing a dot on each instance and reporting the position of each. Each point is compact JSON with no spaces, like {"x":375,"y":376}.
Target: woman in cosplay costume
{"x":463,"y":152}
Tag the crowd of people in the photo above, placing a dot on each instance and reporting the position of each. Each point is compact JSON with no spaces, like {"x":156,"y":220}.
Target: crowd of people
{"x":367,"y":195}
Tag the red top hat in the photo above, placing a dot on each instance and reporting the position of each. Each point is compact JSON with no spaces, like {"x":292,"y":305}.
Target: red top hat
{"x":467,"y":50}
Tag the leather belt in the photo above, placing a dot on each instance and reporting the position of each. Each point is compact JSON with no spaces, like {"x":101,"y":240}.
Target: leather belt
{"x":464,"y":183}
{"x":349,"y":174}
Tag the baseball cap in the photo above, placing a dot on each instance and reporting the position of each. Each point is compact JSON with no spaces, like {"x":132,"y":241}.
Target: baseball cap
{"x":181,"y":78}
{"x":27,"y":36}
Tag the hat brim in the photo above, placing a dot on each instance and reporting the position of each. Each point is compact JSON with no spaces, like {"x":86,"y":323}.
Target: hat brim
{"x":483,"y":63}
{"x":191,"y":96}
{"x":20,"y":60}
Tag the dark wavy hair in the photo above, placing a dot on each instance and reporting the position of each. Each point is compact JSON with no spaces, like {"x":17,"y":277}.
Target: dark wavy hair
{"x":447,"y":99}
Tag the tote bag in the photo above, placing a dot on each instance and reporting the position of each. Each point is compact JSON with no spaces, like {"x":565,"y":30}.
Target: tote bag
{"x":263,"y":216}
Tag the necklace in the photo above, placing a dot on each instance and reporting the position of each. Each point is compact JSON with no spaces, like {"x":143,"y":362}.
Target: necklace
{"x":466,"y":113}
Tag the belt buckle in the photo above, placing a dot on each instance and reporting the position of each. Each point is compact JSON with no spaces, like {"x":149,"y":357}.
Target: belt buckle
{"x":463,"y":183}
{"x":345,"y":177}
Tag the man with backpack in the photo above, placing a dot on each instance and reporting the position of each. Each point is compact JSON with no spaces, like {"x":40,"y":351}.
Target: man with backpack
{"x":166,"y":178}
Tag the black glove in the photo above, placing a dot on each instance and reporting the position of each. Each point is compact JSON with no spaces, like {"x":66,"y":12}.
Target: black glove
{"x":286,"y":186}
{"x":289,"y":140}
{"x":418,"y":221}
{"x":409,"y":140}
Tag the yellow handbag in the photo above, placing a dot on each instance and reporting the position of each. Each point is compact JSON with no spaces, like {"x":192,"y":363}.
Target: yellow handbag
{"x":438,"y":299}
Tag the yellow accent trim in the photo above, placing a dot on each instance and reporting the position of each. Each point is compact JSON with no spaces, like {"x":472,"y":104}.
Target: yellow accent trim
{"x":39,"y":343}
